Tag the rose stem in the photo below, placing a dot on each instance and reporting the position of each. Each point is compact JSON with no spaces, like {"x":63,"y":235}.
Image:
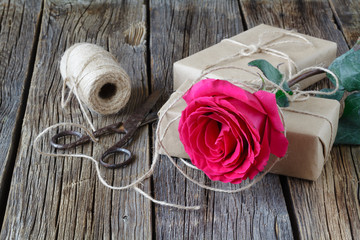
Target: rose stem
{"x":303,"y":76}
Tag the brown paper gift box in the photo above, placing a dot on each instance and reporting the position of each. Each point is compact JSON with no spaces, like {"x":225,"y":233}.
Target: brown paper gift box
{"x":311,"y":125}
{"x":321,"y":53}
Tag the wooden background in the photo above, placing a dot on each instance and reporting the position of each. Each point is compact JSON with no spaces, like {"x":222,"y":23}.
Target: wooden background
{"x":61,"y":198}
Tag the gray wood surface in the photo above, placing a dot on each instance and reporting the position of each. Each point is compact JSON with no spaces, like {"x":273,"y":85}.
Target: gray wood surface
{"x":19,"y":22}
{"x":61,"y":198}
{"x":329,"y":207}
{"x":259,"y":213}
{"x":347,"y":18}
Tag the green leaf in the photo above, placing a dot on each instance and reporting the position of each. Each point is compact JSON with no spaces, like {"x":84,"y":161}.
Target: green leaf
{"x":281,"y":99}
{"x":270,"y":72}
{"x":336,"y":96}
{"x":347,"y":69}
{"x":349,"y":123}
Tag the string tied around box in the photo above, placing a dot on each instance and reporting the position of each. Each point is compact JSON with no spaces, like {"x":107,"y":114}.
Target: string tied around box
{"x":266,"y":45}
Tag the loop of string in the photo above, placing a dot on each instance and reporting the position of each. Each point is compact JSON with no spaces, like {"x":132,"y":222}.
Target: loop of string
{"x":133,"y":185}
{"x":299,"y":93}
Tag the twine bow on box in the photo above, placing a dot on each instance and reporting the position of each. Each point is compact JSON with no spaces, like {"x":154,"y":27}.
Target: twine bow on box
{"x":265,"y":45}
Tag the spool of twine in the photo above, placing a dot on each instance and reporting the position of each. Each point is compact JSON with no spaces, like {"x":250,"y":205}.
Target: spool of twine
{"x":95,"y":78}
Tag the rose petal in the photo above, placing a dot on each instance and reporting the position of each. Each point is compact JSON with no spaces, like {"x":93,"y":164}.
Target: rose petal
{"x":278,"y":143}
{"x":268,"y":101}
{"x":211,"y":134}
{"x":263,"y":157}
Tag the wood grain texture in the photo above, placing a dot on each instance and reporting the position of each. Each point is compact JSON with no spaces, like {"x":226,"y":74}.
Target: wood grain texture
{"x":347,"y":14}
{"x":179,"y":29}
{"x":18,"y":33}
{"x":62,"y":198}
{"x":329,"y":207}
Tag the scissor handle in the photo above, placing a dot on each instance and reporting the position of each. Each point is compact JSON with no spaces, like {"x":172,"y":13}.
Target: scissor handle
{"x":82,"y":139}
{"x":111,"y":151}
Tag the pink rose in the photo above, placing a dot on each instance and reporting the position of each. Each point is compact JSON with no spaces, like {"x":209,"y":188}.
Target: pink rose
{"x":228,"y":132}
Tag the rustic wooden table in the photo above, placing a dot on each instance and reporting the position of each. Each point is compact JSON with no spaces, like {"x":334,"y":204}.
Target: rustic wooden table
{"x":61,"y":198}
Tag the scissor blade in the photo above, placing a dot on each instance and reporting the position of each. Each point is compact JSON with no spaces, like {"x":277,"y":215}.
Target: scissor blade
{"x":132,"y":124}
{"x":150,"y":118}
{"x":137,"y":118}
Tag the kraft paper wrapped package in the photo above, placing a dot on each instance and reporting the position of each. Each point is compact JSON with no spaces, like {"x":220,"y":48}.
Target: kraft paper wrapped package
{"x":318,"y":53}
{"x":311,"y":125}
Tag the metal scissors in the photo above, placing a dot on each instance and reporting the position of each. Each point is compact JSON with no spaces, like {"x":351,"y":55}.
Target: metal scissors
{"x":139,"y":118}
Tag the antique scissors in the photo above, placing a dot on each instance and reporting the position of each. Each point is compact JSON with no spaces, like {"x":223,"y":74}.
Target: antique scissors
{"x":139,"y":118}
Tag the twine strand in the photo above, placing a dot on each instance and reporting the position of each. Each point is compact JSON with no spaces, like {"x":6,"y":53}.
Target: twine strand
{"x":318,"y":116}
{"x":188,"y":164}
{"x":163,"y":203}
{"x":83,"y":110}
{"x":132,"y":185}
{"x":256,"y":180}
{"x":299,"y":93}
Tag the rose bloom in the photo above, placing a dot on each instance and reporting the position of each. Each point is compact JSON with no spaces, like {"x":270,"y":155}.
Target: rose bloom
{"x":228,"y":132}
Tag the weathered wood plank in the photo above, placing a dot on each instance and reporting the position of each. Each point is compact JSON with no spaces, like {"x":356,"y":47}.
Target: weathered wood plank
{"x":329,"y":207}
{"x":18,"y":32}
{"x":347,"y":15}
{"x":61,"y":198}
{"x":179,"y":29}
